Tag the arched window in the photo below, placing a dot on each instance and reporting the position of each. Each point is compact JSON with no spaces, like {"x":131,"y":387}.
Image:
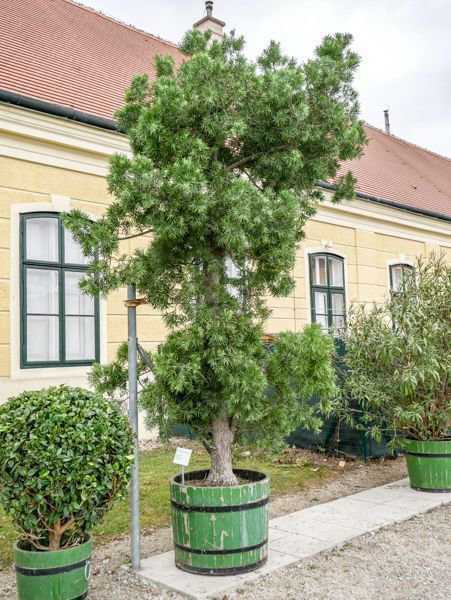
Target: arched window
{"x":397,"y":274}
{"x":59,"y":324}
{"x":327,"y":291}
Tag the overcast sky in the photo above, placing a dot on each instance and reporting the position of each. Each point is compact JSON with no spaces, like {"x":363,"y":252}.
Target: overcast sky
{"x":404,"y":46}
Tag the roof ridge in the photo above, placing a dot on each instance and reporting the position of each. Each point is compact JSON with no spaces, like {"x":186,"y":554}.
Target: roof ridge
{"x":403,"y":141}
{"x":121,"y":23}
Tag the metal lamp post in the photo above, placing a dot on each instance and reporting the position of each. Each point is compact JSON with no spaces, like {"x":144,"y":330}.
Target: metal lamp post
{"x":131,"y":303}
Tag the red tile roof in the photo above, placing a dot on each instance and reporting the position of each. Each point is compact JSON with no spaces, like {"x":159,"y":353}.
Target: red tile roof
{"x":402,"y":173}
{"x":70,"y":55}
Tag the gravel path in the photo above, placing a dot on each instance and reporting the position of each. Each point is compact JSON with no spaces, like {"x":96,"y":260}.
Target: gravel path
{"x":409,"y":561}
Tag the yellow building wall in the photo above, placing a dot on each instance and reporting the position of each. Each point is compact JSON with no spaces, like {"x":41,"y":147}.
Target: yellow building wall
{"x":367,"y":254}
{"x":367,"y":257}
{"x":26,"y":183}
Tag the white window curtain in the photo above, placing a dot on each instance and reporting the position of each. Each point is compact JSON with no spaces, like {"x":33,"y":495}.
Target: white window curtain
{"x":73,"y":254}
{"x":80,"y":338}
{"x":336,"y":272}
{"x":42,"y":338}
{"x":42,"y":315}
{"x":80,"y":319}
{"x":42,"y":239}
{"x":320,"y":270}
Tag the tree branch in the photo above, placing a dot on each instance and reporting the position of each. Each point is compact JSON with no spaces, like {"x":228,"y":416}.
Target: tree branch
{"x":252,"y":157}
{"x":68,"y":525}
{"x":207,"y":446}
{"x":135,"y":235}
{"x":32,"y":538}
{"x":253,"y":181}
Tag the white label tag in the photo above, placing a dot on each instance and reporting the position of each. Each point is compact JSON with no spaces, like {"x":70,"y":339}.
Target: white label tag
{"x":182,"y":456}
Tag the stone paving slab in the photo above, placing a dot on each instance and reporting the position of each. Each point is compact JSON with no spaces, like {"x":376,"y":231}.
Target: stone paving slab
{"x":303,"y":534}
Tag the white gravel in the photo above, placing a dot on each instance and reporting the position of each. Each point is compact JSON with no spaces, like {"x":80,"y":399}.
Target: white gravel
{"x":407,"y":561}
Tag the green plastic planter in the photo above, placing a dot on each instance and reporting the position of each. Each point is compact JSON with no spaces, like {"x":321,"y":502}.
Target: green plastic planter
{"x":429,"y":464}
{"x":60,"y":575}
{"x":220,"y":530}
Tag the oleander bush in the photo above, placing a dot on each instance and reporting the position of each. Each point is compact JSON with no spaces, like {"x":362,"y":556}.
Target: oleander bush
{"x":399,"y":359}
{"x":65,"y":456}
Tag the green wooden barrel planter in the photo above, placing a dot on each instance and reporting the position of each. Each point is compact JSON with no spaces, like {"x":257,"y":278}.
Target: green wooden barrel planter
{"x":220,"y":530}
{"x":429,"y":464}
{"x":60,"y":575}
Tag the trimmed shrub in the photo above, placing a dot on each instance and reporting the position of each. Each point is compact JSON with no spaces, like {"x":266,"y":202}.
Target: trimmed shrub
{"x":399,"y":359}
{"x":65,"y":456}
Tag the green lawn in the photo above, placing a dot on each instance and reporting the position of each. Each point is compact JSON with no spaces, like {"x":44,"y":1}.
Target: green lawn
{"x":156,"y":469}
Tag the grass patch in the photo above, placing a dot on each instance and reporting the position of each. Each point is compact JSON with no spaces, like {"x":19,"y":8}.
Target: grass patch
{"x":7,"y":538}
{"x":156,"y":469}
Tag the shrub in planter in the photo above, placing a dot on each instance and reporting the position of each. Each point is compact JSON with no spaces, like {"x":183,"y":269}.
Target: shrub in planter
{"x":226,"y":158}
{"x":65,"y":456}
{"x":399,"y":360}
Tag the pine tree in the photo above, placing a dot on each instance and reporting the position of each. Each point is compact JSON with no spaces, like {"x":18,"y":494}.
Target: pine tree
{"x":226,"y":157}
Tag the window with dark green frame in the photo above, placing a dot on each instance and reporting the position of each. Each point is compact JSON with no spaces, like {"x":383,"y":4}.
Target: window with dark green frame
{"x":397,"y":274}
{"x":59,"y":323}
{"x":327,"y":291}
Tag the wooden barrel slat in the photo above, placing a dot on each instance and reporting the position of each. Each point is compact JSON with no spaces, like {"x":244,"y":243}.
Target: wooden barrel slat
{"x":220,"y":530}
{"x":60,"y":575}
{"x":429,"y":464}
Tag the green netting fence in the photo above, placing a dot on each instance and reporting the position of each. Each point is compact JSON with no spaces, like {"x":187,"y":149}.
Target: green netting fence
{"x":335,"y":437}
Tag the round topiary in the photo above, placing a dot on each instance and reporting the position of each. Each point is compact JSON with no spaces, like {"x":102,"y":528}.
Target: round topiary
{"x":65,"y":455}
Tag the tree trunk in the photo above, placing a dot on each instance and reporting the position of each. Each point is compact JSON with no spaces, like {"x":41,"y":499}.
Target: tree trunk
{"x":56,"y":534}
{"x":221,"y":472}
{"x":55,"y":537}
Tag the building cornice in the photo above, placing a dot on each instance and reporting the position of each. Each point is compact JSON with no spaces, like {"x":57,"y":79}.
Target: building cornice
{"x":100,"y":124}
{"x":392,"y":203}
{"x":30,"y":135}
{"x":356,"y":214}
{"x":35,"y":124}
{"x":56,"y":141}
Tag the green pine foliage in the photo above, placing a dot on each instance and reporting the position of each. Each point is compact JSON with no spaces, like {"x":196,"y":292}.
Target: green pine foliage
{"x":65,"y":457}
{"x":226,"y":155}
{"x":264,"y":393}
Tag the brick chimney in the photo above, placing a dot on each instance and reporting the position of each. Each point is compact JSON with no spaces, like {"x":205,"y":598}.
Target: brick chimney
{"x":211,"y":23}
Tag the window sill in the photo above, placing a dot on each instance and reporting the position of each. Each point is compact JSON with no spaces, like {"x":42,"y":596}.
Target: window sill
{"x":41,"y":373}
